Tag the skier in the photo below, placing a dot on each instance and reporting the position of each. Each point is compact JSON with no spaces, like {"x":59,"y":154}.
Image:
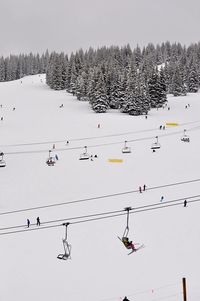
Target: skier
{"x":54,"y":146}
{"x":125,"y":299}
{"x":99,"y":126}
{"x":144,"y":187}
{"x":185,"y":203}
{"x":140,"y":189}
{"x":160,"y":127}
{"x":38,"y":221}
{"x":161,"y":199}
{"x":128,"y":244}
{"x":28,"y":223}
{"x":56,"y":156}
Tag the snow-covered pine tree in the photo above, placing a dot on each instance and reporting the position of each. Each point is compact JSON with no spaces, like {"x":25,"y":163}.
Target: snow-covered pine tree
{"x":163,"y":87}
{"x":122,"y":82}
{"x":54,"y":72}
{"x":81,"y":86}
{"x":177,"y":86}
{"x":114,"y":89}
{"x":142,"y":94}
{"x":2,"y":69}
{"x":193,"y":80}
{"x":154,"y":90}
{"x":64,"y":63}
{"x":98,"y":98}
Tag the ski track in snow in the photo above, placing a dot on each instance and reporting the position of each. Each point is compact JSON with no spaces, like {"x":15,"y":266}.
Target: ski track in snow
{"x":100,"y":268}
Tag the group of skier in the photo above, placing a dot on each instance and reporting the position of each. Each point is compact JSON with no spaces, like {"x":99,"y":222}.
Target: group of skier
{"x":38,"y":223}
{"x":142,"y":189}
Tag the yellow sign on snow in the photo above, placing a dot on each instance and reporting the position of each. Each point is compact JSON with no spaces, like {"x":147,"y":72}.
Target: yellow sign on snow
{"x":172,"y":123}
{"x":115,"y":160}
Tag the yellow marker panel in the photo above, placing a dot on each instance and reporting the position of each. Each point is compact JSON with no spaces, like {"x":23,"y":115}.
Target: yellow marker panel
{"x":115,"y":160}
{"x":172,"y":123}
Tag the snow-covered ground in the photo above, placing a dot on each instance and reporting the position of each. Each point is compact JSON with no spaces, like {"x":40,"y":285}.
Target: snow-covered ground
{"x":100,"y":268}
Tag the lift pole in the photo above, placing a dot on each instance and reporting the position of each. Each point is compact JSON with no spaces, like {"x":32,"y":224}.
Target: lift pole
{"x":184,"y":289}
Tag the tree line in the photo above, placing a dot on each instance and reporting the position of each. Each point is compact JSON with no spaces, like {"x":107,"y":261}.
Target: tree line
{"x":17,"y":66}
{"x":130,"y":80}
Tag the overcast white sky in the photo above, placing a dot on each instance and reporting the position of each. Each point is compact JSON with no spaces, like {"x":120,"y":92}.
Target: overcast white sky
{"x":67,"y":25}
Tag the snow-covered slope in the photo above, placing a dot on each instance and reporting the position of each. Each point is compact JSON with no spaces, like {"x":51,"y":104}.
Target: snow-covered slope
{"x":100,"y":268}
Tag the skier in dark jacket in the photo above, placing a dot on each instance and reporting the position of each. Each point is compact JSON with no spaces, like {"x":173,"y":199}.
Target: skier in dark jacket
{"x":28,"y":222}
{"x":128,"y":244}
{"x":38,"y":221}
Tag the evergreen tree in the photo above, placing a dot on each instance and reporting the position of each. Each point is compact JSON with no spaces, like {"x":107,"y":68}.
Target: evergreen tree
{"x":99,"y":101}
{"x":177,"y":88}
{"x":193,"y":83}
{"x":2,"y":69}
{"x":154,"y":90}
{"x":163,"y":87}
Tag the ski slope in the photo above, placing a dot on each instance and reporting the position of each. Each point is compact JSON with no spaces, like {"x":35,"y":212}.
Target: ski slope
{"x":100,"y":268}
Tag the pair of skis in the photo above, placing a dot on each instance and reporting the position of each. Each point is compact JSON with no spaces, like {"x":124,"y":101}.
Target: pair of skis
{"x":140,"y":247}
{"x":134,"y":250}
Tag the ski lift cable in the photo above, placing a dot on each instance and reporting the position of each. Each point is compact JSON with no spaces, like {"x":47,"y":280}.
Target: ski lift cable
{"x":78,"y":139}
{"x":99,"y":145}
{"x":103,"y":213}
{"x":91,"y":138}
{"x":166,"y":297}
{"x":144,"y":291}
{"x":93,"y":218}
{"x":97,"y":197}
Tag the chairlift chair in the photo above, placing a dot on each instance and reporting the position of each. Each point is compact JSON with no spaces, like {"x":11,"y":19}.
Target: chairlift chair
{"x":126,"y":149}
{"x":84,"y":155}
{"x":51,"y":161}
{"x":2,"y":162}
{"x":185,"y":138}
{"x":67,"y":247}
{"x":156,"y":145}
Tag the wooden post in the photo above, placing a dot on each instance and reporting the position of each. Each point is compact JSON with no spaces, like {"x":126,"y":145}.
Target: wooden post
{"x":184,"y":289}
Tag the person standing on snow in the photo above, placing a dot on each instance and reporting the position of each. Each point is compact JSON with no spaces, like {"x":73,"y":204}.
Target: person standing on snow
{"x":161,"y":199}
{"x":38,"y":221}
{"x":28,"y":222}
{"x":125,"y":299}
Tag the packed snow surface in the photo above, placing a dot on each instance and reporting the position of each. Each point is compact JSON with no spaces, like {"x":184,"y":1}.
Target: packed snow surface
{"x":100,"y":268}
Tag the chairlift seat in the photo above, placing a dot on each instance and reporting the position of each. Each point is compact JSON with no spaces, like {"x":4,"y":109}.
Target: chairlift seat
{"x":63,"y":256}
{"x":2,"y":163}
{"x":126,"y":150}
{"x":84,"y":156}
{"x":185,"y":139}
{"x":155,"y":146}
